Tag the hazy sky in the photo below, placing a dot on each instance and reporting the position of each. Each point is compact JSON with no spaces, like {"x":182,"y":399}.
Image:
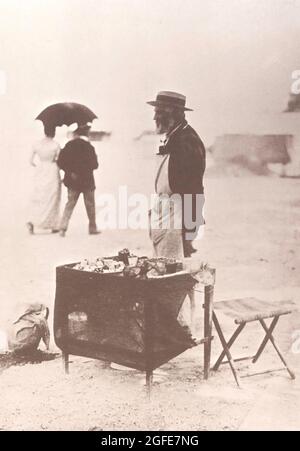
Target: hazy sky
{"x":233,"y":59}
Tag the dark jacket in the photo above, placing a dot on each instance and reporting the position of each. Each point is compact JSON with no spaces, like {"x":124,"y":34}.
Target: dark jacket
{"x":186,"y":171}
{"x":78,"y":159}
{"x":187,"y":161}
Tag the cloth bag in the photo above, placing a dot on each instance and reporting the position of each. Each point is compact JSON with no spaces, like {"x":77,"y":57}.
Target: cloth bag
{"x":30,"y":327}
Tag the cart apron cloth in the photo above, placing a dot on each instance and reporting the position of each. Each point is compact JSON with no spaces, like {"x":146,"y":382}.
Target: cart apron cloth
{"x":165,"y":218}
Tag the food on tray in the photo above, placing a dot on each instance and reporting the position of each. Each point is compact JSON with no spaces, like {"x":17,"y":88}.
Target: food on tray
{"x":104,"y":265}
{"x":153,"y":267}
{"x":132,"y":259}
{"x":112,"y":266}
{"x":158,"y":268}
{"x":131,"y":265}
{"x":140,"y":269}
{"x":123,"y":256}
{"x":132,"y":271}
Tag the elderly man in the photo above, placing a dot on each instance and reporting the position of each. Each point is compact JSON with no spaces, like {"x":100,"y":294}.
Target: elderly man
{"x":177,"y":213}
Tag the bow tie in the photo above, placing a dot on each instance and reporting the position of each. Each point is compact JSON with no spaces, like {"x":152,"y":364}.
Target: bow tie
{"x":162,"y":150}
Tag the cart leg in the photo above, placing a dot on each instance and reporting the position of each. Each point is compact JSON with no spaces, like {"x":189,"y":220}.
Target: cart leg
{"x":65,"y":357}
{"x":208,"y":310}
{"x":149,"y":380}
{"x":191,"y":295}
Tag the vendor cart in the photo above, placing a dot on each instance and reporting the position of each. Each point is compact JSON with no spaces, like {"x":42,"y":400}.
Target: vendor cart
{"x":126,"y":320}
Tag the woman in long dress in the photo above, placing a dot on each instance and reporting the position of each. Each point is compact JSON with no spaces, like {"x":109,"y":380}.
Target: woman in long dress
{"x":45,"y":201}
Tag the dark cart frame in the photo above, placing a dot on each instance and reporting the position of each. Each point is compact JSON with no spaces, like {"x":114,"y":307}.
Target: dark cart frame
{"x":70,"y":281}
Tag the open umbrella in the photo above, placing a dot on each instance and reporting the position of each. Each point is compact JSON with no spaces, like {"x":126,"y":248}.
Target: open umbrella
{"x":66,"y":113}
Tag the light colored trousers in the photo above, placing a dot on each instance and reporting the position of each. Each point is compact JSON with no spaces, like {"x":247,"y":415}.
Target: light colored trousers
{"x":89,"y":202}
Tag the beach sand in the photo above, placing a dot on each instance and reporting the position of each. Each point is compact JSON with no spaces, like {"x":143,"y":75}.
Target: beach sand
{"x":252,"y":238}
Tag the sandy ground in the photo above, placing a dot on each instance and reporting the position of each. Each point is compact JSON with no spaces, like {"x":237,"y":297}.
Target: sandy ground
{"x":252,"y":237}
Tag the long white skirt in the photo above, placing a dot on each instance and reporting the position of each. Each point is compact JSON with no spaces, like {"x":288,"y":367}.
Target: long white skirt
{"x":45,"y":199}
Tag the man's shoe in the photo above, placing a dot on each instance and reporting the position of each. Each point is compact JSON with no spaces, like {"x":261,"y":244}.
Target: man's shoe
{"x":94,"y":232}
{"x":30,"y":228}
{"x":62,"y":233}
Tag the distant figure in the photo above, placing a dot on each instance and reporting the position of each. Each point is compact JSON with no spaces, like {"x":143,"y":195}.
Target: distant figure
{"x":177,"y":214}
{"x":45,"y":201}
{"x":78,"y":160}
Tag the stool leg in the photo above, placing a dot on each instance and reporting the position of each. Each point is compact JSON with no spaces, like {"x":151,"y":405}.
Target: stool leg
{"x":266,"y":339}
{"x":65,"y":357}
{"x":271,"y":338}
{"x":229,"y":344}
{"x":226,"y":349}
{"x":149,"y":381}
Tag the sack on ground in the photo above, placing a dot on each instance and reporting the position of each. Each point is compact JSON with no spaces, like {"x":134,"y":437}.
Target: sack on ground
{"x":30,"y":327}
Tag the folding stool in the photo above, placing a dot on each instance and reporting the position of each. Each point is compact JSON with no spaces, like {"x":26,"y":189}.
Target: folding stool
{"x":244,"y":311}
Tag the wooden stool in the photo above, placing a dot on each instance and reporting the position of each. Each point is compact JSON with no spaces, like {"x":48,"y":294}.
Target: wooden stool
{"x":244,"y":311}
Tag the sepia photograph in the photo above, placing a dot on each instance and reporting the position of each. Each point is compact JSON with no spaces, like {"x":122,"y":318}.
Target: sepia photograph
{"x":150,"y":226}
